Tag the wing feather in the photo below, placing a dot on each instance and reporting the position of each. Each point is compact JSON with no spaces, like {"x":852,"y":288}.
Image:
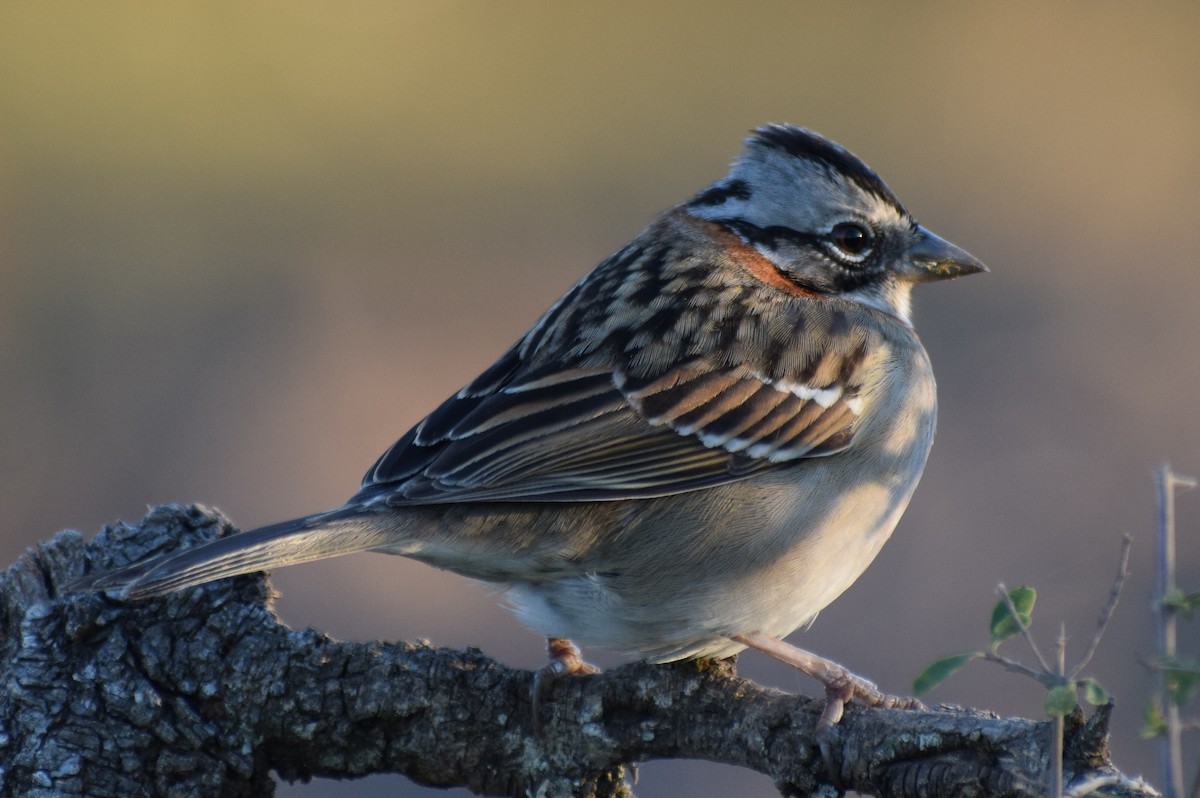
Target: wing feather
{"x":588,"y":408}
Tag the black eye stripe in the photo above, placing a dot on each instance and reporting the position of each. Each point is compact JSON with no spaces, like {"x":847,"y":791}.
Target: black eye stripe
{"x":768,"y":236}
{"x":841,"y":273}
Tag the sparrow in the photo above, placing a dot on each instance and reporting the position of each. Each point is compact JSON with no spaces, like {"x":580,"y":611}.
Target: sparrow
{"x":696,"y":449}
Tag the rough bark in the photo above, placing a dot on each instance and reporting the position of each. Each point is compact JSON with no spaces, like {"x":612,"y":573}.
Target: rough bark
{"x":205,"y":693}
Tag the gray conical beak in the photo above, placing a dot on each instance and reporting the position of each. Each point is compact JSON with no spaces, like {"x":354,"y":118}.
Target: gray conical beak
{"x":934,"y":258}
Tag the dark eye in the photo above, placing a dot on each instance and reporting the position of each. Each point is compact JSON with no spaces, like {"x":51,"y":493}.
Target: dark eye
{"x":852,"y":240}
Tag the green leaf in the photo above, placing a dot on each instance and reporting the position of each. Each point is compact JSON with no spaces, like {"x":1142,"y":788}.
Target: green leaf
{"x":1154,"y":725}
{"x":1185,"y":604}
{"x":1183,"y":680}
{"x":1004,"y":625}
{"x":1094,"y":694}
{"x":1061,"y":700}
{"x":937,"y":672}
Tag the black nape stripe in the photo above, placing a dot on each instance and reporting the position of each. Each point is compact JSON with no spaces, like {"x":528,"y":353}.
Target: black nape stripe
{"x":718,"y":194}
{"x":801,"y":143}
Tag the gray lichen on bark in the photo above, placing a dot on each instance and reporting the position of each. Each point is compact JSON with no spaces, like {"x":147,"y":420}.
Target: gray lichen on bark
{"x":205,"y":693}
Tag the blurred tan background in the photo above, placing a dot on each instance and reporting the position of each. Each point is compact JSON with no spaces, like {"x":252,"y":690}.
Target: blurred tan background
{"x":243,"y":247}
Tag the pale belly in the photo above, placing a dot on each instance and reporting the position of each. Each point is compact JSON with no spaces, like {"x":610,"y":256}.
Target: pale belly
{"x":676,"y":584}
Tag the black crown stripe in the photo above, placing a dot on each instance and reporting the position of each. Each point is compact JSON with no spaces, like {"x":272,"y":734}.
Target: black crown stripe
{"x":801,"y":143}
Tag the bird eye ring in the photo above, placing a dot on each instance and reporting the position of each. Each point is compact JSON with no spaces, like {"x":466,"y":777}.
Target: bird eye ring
{"x":851,"y":240}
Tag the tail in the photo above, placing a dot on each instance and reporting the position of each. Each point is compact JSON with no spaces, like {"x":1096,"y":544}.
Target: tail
{"x":312,"y":537}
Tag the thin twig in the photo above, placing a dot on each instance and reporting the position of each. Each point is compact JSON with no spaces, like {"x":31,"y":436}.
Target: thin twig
{"x":1106,"y":614}
{"x":1047,"y":678}
{"x":1012,"y":609}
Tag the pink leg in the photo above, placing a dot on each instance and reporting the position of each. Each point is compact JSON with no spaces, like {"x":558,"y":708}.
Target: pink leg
{"x":841,"y":685}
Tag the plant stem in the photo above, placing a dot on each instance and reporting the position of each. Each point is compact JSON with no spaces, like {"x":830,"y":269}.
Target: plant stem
{"x":1056,"y":728}
{"x":1171,"y":751}
{"x":1106,"y":614}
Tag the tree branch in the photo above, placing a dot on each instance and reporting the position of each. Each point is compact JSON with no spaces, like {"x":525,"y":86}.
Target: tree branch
{"x":205,"y":692}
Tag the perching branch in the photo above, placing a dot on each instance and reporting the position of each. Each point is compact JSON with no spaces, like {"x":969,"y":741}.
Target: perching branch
{"x":205,"y":693}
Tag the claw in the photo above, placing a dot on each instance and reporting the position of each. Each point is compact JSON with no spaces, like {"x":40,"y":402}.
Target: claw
{"x":835,"y":705}
{"x":565,"y":660}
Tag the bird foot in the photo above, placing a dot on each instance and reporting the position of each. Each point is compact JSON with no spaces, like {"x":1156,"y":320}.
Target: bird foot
{"x":841,"y":685}
{"x":565,"y":660}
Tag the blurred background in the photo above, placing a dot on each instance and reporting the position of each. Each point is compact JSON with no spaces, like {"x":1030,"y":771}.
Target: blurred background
{"x":243,"y":247}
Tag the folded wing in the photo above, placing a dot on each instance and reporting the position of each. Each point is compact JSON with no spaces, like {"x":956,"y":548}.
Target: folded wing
{"x":574,"y":433}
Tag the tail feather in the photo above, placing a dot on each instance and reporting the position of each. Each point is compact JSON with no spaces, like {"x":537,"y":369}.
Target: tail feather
{"x":286,"y":543}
